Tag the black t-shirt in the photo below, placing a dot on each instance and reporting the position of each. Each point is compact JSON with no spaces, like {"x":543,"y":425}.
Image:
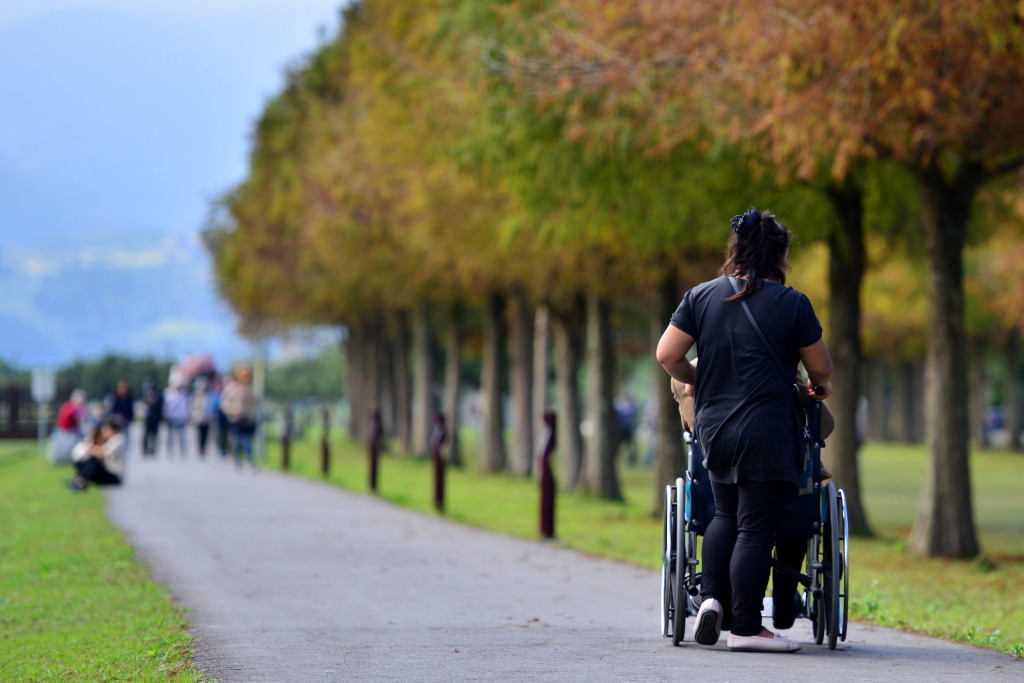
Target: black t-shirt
{"x":745,"y":413}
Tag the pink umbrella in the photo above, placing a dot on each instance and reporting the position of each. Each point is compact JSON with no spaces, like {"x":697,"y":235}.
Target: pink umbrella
{"x":195,"y":365}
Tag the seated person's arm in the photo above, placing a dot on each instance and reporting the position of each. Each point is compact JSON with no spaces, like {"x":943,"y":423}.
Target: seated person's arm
{"x":671,"y":353}
{"x":818,"y":363}
{"x":113,"y":449}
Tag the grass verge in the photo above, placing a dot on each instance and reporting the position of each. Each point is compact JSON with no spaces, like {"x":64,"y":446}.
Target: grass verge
{"x":972,"y":601}
{"x":75,"y":604}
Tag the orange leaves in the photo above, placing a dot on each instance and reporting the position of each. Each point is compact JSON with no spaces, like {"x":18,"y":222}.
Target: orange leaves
{"x":806,"y":79}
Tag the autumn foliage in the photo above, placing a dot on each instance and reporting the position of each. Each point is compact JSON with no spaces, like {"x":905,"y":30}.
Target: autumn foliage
{"x":452,"y":155}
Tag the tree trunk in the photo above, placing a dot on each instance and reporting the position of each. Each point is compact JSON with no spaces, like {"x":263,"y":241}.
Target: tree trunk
{"x":846,"y":271}
{"x":354,"y":381}
{"x":979,"y":393}
{"x":669,"y":451}
{"x":403,"y":384}
{"x":568,"y":347}
{"x":372,"y":363}
{"x":452,"y":383}
{"x":919,"y":432}
{"x":492,"y":373}
{"x":521,"y":463}
{"x":365,"y":340}
{"x":945,"y":518}
{"x":387,"y":373}
{"x":541,"y":390}
{"x":1011,"y":400}
{"x":878,"y":412}
{"x":423,"y":407}
{"x":603,"y":440}
{"x":903,"y":426}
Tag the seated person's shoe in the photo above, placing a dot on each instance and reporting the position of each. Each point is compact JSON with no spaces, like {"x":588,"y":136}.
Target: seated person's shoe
{"x":783,"y":617}
{"x":76,"y":485}
{"x":775,"y":643}
{"x":708,"y":626}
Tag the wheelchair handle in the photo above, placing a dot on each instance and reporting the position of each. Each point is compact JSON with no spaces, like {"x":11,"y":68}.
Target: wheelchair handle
{"x":819,"y":390}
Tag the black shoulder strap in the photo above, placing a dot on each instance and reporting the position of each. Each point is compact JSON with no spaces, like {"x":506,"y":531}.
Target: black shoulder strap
{"x":757,"y":328}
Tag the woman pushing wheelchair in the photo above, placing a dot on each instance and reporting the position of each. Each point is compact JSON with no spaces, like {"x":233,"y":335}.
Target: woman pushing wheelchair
{"x":750,"y":332}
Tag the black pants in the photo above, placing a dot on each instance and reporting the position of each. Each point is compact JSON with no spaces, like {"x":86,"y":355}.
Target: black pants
{"x":203,"y":432}
{"x":737,"y":551}
{"x":790,"y":551}
{"x":93,"y":469}
{"x":149,"y":438}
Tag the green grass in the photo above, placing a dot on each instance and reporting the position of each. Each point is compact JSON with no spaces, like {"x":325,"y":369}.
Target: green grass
{"x":75,"y":604}
{"x":973,"y":601}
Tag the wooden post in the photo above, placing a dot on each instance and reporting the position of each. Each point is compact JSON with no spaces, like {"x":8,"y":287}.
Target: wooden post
{"x":376,"y":432}
{"x":286,"y":440}
{"x":437,"y":439}
{"x":547,"y":478}
{"x":325,"y":445}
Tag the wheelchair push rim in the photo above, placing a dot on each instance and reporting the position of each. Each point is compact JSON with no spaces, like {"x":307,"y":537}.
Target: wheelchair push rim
{"x":844,"y":552}
{"x":833,"y":568}
{"x":666,"y":564}
{"x":679,"y":595}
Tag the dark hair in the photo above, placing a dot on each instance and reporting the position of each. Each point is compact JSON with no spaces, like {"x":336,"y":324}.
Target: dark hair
{"x":757,"y":251}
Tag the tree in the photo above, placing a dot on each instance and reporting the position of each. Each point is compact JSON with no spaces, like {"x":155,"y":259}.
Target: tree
{"x":354,"y":214}
{"x":933,"y":86}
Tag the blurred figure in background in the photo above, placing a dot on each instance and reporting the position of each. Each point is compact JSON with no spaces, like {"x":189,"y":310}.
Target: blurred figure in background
{"x":626,"y":413}
{"x":176,"y":413}
{"x":217,"y":415}
{"x":122,"y":410}
{"x":153,"y":397}
{"x":71,"y":420}
{"x":238,"y":401}
{"x":99,"y":459}
{"x":198,"y":415}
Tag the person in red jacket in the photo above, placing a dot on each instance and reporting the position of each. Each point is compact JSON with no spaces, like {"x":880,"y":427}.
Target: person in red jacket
{"x":72,"y":413}
{"x":71,"y":419}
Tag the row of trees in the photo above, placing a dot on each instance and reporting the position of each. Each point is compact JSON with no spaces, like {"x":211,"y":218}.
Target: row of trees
{"x":549,"y":174}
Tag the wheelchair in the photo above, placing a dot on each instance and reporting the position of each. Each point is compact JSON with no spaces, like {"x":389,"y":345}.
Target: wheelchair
{"x":819,"y":513}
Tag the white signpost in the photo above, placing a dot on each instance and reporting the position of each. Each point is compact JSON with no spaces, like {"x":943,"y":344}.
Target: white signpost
{"x":44,"y":389}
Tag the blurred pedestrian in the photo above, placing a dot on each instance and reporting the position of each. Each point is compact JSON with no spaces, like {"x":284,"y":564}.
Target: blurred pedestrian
{"x":198,"y":415}
{"x":122,"y":410}
{"x":626,"y":413}
{"x":153,"y":397}
{"x":216,"y":415}
{"x":176,"y":412}
{"x":72,"y":418}
{"x":238,"y":401}
{"x":99,"y":458}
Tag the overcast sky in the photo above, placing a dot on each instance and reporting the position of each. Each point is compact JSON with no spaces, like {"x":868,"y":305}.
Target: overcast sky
{"x":132,"y":114}
{"x":125,"y":118}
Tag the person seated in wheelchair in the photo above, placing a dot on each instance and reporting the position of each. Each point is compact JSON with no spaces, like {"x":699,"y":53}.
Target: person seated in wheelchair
{"x":790,"y":549}
{"x":750,"y":332}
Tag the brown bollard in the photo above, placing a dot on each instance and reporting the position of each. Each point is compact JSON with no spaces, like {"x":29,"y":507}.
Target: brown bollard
{"x":325,"y":445}
{"x":547,"y":479}
{"x":376,"y":433}
{"x":437,"y":439}
{"x":286,"y":440}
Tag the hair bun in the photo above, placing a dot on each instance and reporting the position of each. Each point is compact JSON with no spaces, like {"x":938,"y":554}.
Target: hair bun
{"x":743,"y":223}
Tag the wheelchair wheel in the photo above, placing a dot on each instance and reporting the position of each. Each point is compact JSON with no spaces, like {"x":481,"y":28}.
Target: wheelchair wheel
{"x":833,"y":568}
{"x":844,"y":556}
{"x":679,"y":596}
{"x":667,"y":562}
{"x":815,"y":593}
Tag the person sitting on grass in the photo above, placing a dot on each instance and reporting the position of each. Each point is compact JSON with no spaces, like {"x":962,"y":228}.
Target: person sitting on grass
{"x":99,"y":458}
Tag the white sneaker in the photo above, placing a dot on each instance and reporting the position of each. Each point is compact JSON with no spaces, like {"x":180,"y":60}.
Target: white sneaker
{"x":776,"y":643}
{"x":708,"y":625}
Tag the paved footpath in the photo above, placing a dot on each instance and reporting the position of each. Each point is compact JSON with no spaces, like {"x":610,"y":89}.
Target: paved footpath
{"x":287,"y":579}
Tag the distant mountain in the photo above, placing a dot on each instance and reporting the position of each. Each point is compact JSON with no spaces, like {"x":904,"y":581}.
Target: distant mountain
{"x":134,"y":294}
